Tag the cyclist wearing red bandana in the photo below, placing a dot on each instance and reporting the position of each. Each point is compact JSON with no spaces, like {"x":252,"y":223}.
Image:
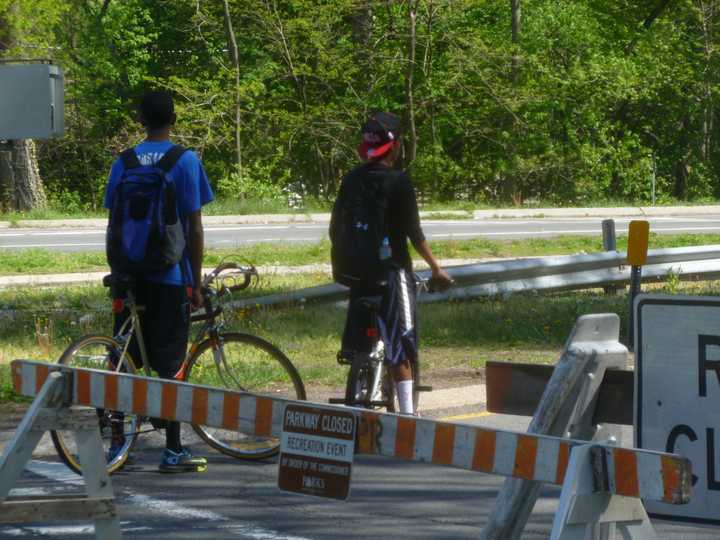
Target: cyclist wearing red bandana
{"x":393,"y":213}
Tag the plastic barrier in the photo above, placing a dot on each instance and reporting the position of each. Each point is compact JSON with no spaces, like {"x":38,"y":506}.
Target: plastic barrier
{"x":595,"y":477}
{"x":50,"y":411}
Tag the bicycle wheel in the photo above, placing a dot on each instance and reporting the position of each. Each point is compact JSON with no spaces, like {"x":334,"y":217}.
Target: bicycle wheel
{"x":359,"y":381}
{"x":248,"y":363}
{"x":98,"y":352}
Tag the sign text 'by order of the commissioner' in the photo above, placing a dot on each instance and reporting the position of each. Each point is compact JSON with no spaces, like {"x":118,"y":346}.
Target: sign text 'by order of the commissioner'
{"x":316,"y":451}
{"x":677,"y":394}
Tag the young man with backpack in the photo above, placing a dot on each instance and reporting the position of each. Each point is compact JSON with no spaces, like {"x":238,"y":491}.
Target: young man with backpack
{"x":374,"y":215}
{"x":155,"y":194}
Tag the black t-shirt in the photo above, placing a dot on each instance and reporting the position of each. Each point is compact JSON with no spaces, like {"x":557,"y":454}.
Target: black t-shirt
{"x":403,"y":219}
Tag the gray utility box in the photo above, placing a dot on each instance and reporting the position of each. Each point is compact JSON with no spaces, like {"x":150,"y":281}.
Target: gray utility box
{"x":31,"y":101}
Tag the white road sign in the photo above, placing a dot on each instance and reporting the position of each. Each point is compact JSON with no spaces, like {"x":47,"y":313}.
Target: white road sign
{"x":677,"y":393}
{"x":316,"y":451}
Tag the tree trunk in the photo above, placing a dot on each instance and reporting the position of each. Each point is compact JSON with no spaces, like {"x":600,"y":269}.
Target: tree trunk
{"x":515,"y":21}
{"x":361,"y":20}
{"x":235,"y":60}
{"x":409,"y":74}
{"x":707,"y":18}
{"x":21,"y":187}
{"x":648,"y":22}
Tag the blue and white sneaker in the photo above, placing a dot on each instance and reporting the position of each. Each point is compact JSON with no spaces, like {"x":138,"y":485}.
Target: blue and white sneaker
{"x":183,"y":461}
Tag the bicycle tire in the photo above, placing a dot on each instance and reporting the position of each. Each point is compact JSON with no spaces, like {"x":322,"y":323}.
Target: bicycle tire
{"x":358,"y":381}
{"x":255,"y":362}
{"x":64,"y":442}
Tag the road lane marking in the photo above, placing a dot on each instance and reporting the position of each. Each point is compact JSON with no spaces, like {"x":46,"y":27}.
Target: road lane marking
{"x":60,"y":473}
{"x":65,"y":530}
{"x":562,"y":232}
{"x":265,"y":227}
{"x":91,"y":244}
{"x":468,"y":416}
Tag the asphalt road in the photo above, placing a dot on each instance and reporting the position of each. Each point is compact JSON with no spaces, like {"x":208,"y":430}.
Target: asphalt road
{"x":240,"y":500}
{"x":229,"y":236}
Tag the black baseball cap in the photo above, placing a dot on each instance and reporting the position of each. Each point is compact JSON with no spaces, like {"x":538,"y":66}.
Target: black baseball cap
{"x":379,"y":133}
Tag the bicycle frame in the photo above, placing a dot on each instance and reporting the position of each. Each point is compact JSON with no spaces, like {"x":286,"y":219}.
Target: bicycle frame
{"x":131,"y":328}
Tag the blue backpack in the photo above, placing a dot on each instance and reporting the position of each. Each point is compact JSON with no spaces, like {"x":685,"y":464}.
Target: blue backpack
{"x":144,"y":231}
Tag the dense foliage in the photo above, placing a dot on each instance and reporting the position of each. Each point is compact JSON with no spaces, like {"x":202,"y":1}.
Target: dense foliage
{"x":579,"y":101}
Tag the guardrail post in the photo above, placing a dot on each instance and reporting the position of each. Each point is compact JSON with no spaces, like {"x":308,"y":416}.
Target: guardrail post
{"x":610,"y":244}
{"x":566,"y":409}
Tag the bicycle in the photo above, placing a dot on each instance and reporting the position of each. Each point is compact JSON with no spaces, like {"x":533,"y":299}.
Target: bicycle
{"x":232,"y":360}
{"x":369,"y":383}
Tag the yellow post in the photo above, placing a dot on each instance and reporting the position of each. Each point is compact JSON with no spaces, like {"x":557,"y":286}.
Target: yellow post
{"x":638,"y":235}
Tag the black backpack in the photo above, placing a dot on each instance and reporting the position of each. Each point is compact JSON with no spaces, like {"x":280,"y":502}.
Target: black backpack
{"x":359,"y":228}
{"x":144,"y":232}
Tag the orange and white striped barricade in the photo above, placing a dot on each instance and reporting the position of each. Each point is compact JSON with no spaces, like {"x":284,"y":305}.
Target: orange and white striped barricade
{"x":566,"y":409}
{"x":50,"y":411}
{"x":615,"y":472}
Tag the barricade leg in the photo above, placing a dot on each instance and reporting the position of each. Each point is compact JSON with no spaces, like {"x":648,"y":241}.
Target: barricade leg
{"x":566,"y":409}
{"x":20,"y":448}
{"x":97,"y":481}
{"x":50,"y":411}
{"x":581,"y":509}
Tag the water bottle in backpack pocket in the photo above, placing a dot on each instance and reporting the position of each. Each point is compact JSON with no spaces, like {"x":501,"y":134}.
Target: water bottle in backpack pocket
{"x":145,"y":233}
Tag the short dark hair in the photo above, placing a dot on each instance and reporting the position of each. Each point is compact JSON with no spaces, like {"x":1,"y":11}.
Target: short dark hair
{"x":157,"y":109}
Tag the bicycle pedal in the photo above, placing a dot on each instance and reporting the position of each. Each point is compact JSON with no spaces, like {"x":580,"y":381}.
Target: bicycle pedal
{"x":337,"y":401}
{"x":424,"y":388}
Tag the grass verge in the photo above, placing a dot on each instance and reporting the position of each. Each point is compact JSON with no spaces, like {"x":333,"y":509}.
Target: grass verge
{"x":454,"y":335}
{"x":43,"y":261}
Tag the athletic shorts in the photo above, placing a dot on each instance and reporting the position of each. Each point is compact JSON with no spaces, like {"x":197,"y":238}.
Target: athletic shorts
{"x":396,"y":319}
{"x":165,"y":324}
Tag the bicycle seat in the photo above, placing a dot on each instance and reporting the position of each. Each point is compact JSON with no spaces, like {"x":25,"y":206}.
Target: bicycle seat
{"x":370,"y":302}
{"x":118,"y":280}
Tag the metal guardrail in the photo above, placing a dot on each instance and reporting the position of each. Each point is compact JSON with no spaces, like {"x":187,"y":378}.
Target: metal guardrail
{"x":566,"y":272}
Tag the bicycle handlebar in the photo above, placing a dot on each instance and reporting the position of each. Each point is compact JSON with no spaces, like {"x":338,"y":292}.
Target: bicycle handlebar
{"x":247,"y":271}
{"x":433,"y":285}
{"x":209,"y":292}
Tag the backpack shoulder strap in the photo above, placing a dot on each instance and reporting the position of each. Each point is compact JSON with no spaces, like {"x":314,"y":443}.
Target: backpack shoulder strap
{"x":170,"y":158}
{"x":130,"y":159}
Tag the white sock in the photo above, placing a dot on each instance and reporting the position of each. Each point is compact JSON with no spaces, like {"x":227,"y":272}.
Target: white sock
{"x":405,"y":396}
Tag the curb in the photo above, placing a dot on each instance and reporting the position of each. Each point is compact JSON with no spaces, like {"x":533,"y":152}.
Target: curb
{"x":521,"y":213}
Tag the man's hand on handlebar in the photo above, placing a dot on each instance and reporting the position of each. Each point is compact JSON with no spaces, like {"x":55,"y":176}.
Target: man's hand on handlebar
{"x":196,"y":299}
{"x":440,"y":280}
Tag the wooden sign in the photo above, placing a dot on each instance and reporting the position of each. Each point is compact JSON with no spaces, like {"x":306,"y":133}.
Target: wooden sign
{"x":316,"y":451}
